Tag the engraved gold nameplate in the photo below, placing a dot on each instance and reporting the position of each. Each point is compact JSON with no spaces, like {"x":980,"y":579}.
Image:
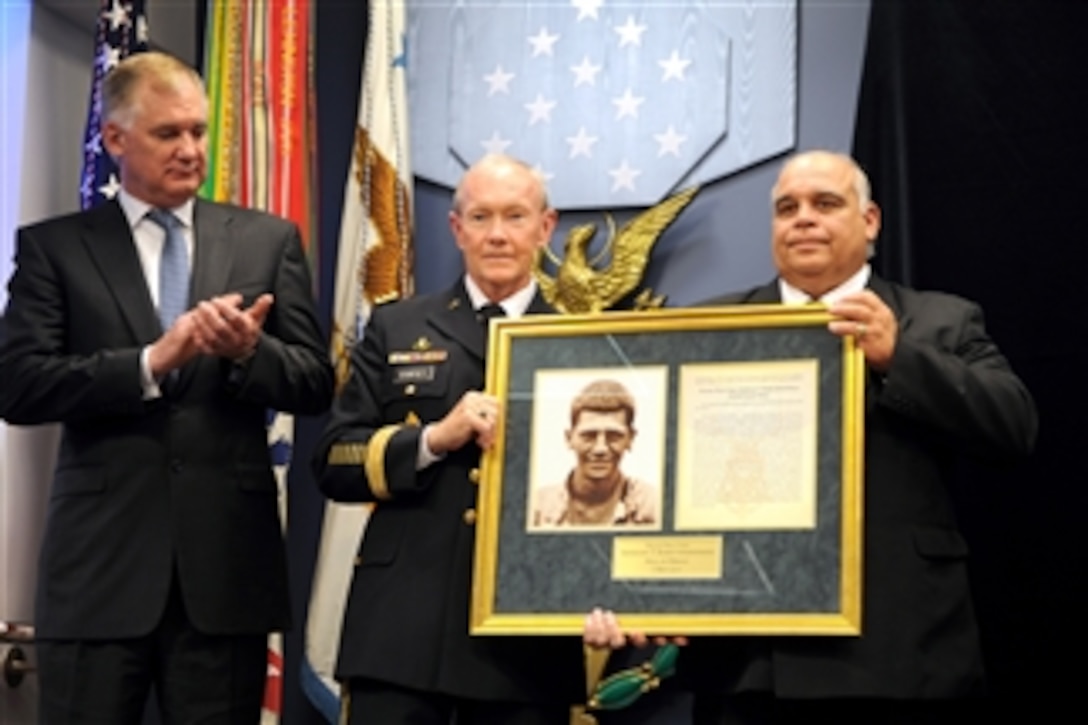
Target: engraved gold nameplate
{"x":667,"y":557}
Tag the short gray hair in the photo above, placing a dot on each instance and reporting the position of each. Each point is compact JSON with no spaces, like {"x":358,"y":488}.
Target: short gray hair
{"x":120,"y":100}
{"x":862,"y":188}
{"x":497,"y":160}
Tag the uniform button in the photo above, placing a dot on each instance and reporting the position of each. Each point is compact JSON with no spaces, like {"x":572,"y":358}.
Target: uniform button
{"x":474,"y":475}
{"x":410,"y":389}
{"x":470,"y":516}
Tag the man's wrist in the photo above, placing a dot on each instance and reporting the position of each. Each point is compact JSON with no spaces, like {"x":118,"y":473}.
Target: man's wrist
{"x":149,"y":384}
{"x":426,"y":455}
{"x":246,"y":355}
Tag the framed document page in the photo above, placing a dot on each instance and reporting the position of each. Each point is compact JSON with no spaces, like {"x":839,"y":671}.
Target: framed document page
{"x":697,"y":471}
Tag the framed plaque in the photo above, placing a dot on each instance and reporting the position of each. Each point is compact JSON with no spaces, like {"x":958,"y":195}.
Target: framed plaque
{"x":697,"y":471}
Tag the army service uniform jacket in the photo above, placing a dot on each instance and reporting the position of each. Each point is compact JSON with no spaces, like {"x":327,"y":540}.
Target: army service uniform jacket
{"x":407,"y":616}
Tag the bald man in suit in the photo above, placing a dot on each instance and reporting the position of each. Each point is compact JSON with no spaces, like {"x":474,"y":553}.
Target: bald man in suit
{"x":937,"y":388}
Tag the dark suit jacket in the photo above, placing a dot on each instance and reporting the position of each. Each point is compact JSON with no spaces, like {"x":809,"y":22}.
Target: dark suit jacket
{"x":949,"y":391}
{"x":407,"y":618}
{"x":144,"y":487}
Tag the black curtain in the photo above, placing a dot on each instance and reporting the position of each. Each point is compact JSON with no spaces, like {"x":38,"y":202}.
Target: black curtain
{"x":971,"y":123}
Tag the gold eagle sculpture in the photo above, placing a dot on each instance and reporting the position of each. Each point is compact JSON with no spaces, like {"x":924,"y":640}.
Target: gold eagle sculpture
{"x":580,"y":287}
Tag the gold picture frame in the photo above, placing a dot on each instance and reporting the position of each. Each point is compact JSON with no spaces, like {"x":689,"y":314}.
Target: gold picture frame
{"x":748,"y":420}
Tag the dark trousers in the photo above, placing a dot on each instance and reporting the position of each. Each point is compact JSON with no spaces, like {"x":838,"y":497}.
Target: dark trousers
{"x":764,"y":709}
{"x":371,"y":702}
{"x":198,"y":679}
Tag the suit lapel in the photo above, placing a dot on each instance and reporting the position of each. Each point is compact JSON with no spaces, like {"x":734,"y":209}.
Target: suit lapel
{"x":539,"y":306}
{"x":213,"y":250}
{"x":885,"y":291}
{"x":766,"y":295}
{"x":456,"y":319}
{"x":109,"y":243}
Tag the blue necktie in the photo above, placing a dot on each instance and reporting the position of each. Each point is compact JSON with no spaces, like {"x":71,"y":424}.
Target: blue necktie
{"x":173,"y":270}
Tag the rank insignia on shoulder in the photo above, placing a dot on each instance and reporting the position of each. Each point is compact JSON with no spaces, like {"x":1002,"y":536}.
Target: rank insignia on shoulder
{"x":415,"y":357}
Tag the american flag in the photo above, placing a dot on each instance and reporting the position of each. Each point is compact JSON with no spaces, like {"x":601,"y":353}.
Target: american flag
{"x":121,"y":31}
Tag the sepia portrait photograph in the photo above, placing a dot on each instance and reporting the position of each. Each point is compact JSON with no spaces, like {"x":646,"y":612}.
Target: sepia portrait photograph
{"x":598,"y":449}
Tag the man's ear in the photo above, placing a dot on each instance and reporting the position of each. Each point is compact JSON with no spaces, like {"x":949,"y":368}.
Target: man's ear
{"x":872,"y":221}
{"x":548,"y":224}
{"x":113,"y":139}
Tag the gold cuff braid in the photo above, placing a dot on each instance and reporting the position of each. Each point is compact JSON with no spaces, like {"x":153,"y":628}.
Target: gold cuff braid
{"x":375,"y":462}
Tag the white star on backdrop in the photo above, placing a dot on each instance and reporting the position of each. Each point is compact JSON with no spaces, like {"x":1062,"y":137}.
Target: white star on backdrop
{"x":630,"y":33}
{"x":627,"y":104}
{"x":498,"y":81}
{"x":540,"y":109}
{"x":674,"y":67}
{"x":669,"y":142}
{"x":624,"y":177}
{"x":496,"y":144}
{"x":546,"y":175}
{"x":542,"y":42}
{"x":585,"y":72}
{"x":581,"y":144}
{"x":587,"y":8}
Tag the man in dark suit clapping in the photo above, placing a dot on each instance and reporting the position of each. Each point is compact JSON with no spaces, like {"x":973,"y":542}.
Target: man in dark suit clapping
{"x":158,"y":329}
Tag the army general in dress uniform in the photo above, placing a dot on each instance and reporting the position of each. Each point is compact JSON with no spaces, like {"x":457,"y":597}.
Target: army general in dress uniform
{"x":407,"y":433}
